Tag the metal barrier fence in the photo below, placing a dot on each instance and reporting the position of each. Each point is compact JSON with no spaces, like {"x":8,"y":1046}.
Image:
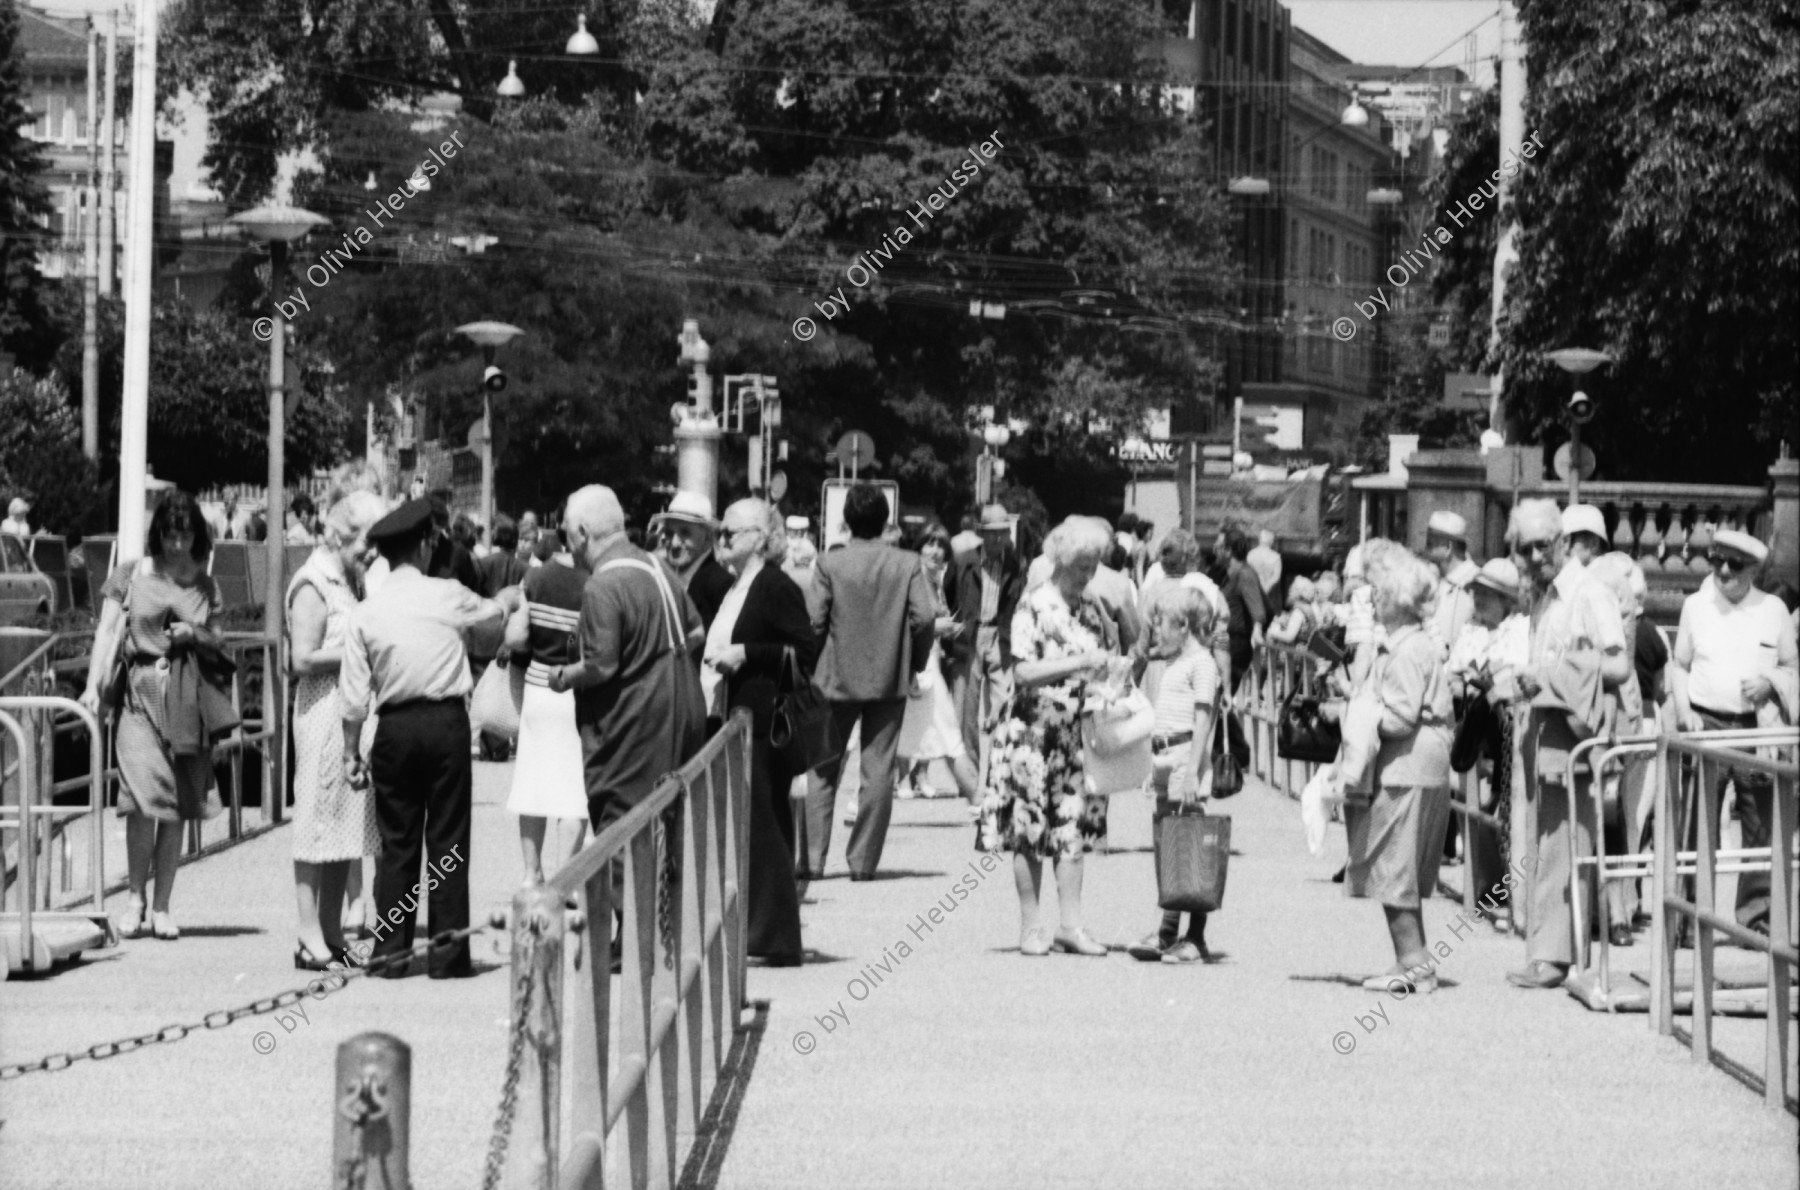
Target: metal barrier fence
{"x":1593,"y":984}
{"x":1671,"y":910}
{"x":35,"y":714}
{"x":684,"y":852}
{"x":1279,"y":670}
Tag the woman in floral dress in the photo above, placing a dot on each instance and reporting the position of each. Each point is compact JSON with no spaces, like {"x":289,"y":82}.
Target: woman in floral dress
{"x":1035,"y":802}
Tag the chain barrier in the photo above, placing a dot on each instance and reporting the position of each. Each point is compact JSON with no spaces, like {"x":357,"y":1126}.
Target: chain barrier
{"x":219,"y":1019}
{"x":515,"y":1061}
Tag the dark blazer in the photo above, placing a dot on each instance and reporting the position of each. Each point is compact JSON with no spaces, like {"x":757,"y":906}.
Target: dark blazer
{"x":871,"y":606}
{"x":962,"y":591}
{"x":773,"y":619}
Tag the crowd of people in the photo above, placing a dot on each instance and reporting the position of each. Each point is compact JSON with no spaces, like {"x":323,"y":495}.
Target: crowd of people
{"x":980,"y":650}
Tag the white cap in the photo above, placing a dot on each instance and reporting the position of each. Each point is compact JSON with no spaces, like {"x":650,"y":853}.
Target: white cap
{"x":1448,"y":524}
{"x":1583,"y":518}
{"x":1741,"y":542}
{"x":798,"y":524}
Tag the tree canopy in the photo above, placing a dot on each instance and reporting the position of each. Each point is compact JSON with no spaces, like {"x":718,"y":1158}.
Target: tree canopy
{"x":1659,"y":224}
{"x":733,"y":173}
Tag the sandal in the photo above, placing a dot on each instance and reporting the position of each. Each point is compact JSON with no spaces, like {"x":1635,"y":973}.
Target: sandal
{"x":164,"y":926}
{"x":132,"y":924}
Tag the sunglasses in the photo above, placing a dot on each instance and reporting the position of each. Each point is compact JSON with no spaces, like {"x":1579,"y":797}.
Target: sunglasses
{"x":734,"y":534}
{"x":1720,"y":561}
{"x":1528,"y":548}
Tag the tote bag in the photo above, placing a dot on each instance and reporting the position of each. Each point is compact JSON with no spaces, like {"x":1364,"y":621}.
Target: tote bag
{"x":1193,"y":850}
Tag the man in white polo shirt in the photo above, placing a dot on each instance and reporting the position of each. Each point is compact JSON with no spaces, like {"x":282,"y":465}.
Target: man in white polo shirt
{"x":1734,"y":666}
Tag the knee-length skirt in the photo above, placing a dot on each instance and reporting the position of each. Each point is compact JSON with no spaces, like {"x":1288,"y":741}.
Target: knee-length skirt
{"x":332,"y":820}
{"x":548,"y":776}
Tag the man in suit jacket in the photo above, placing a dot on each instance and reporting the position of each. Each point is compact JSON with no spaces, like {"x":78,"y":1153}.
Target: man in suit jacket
{"x":872,"y":608}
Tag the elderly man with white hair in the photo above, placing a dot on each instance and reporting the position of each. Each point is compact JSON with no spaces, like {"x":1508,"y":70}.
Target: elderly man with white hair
{"x":638,"y":704}
{"x":1734,"y":666}
{"x":1577,"y":653}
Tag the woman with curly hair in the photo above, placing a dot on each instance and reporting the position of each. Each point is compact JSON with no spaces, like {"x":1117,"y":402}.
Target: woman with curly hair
{"x":1396,"y":829}
{"x":1036,"y":804}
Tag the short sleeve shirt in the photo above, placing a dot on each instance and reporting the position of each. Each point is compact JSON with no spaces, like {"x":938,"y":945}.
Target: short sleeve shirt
{"x":1731,"y":643}
{"x":405,"y":642}
{"x":1191,"y":682}
{"x":158,"y":601}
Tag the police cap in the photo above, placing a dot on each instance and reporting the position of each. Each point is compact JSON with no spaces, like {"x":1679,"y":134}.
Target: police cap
{"x":409,"y":520}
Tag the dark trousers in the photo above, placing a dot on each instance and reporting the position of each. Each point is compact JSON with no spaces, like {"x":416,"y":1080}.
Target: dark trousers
{"x":419,"y":765}
{"x":774,"y":901}
{"x":1241,"y":654}
{"x":875,"y":804}
{"x":1755,"y":807}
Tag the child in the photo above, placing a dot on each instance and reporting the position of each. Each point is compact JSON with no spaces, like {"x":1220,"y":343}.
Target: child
{"x":1186,"y":709}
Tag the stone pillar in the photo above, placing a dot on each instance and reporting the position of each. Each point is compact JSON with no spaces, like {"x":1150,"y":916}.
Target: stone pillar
{"x":1784,"y":541}
{"x":1448,"y":481}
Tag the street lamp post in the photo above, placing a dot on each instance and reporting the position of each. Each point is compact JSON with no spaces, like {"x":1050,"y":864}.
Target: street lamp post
{"x":991,"y":467}
{"x":489,"y":336}
{"x":277,"y":227}
{"x":1577,"y":361}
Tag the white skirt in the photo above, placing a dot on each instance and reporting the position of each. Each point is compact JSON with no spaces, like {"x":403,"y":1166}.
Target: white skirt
{"x":932,"y":730}
{"x":548,"y":777}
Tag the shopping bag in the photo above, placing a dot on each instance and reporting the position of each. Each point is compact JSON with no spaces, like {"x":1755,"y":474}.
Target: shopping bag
{"x":494,"y":706}
{"x":1193,"y":849}
{"x":1120,"y":725}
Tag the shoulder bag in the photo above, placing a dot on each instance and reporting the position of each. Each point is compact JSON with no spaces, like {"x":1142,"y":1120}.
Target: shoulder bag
{"x":118,"y":670}
{"x":802,"y":730}
{"x":1228,"y":767}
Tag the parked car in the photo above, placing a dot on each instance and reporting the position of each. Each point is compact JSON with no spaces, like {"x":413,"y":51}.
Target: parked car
{"x":25,"y":591}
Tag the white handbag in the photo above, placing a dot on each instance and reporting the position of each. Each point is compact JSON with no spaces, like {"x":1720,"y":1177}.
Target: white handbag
{"x":1120,"y":724}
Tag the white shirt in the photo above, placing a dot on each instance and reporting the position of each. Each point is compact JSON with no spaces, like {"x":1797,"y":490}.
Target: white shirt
{"x":1267,"y":565}
{"x":1730,"y":643}
{"x":405,"y":642}
{"x":9,"y":525}
{"x":718,"y":637}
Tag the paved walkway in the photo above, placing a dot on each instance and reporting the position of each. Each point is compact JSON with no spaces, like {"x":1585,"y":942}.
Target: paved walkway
{"x":960,"y":1064}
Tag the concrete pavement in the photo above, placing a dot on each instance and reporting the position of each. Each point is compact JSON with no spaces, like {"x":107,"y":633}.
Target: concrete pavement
{"x":938,"y":1056}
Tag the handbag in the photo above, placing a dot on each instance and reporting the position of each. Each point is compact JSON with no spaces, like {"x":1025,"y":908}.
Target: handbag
{"x":1114,"y":770}
{"x":1193,"y":851}
{"x":1228,"y":768}
{"x":1475,"y":732}
{"x":1120,"y":725}
{"x":495,"y":705}
{"x":118,"y":670}
{"x":1303,"y":733}
{"x":802,"y":729}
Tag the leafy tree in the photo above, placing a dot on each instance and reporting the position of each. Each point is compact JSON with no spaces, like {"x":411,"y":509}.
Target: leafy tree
{"x":1660,"y":224}
{"x":767,"y":150}
{"x":40,"y":453}
{"x":23,"y":199}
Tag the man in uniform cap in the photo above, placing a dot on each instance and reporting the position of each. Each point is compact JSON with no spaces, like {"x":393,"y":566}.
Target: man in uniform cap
{"x":406,"y":654}
{"x":1734,"y":666}
{"x":685,"y":532}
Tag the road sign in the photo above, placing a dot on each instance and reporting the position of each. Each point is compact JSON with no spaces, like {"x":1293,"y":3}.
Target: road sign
{"x":1561,"y":462}
{"x":831,"y":508}
{"x":1216,"y":450}
{"x":855,"y":451}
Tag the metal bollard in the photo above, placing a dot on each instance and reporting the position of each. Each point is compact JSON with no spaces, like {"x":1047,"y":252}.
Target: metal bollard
{"x":532,"y":1096}
{"x":371,"y":1111}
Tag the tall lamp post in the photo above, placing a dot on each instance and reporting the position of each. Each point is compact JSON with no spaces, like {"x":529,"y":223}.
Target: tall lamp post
{"x":489,"y":336}
{"x":1577,"y":361}
{"x":990,"y":466}
{"x":277,"y":227}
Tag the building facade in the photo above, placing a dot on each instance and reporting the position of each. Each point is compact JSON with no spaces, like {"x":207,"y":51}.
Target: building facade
{"x":1338,"y":230}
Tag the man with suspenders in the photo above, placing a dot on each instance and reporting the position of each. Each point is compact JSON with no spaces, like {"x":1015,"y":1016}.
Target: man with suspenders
{"x":638,"y":703}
